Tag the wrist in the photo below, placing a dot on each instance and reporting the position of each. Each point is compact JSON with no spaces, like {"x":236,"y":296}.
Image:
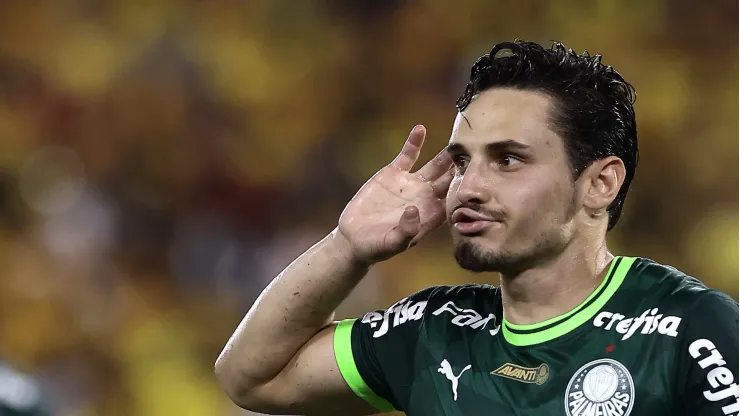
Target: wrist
{"x":342,"y":249}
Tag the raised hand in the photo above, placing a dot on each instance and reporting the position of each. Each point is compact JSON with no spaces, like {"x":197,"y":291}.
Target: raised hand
{"x":396,"y":208}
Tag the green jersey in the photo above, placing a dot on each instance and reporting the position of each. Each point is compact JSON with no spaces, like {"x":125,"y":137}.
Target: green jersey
{"x":648,"y":341}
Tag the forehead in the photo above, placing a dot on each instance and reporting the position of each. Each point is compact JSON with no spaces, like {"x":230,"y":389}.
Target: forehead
{"x":506,"y":114}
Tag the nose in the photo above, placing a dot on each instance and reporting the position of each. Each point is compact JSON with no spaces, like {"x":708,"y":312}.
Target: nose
{"x":474,"y":188}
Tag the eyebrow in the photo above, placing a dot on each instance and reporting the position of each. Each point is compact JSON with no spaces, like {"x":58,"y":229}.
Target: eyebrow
{"x":493,"y":147}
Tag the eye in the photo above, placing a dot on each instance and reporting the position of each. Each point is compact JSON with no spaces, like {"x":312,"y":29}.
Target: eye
{"x":510,"y":160}
{"x":461,"y":162}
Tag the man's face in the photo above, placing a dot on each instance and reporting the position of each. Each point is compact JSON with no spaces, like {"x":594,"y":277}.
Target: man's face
{"x":512,"y":201}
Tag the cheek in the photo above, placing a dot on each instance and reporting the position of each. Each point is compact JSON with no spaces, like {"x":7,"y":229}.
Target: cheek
{"x":536,"y":203}
{"x":526,"y":201}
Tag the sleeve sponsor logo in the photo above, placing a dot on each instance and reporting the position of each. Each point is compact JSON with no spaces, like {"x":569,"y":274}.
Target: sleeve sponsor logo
{"x":719,"y":377}
{"x":467,"y":317}
{"x":399,"y":313}
{"x":648,"y":322}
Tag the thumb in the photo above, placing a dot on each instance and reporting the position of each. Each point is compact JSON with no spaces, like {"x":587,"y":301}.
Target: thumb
{"x":409,"y":225}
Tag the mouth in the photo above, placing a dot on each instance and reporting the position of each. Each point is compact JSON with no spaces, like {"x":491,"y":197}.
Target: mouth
{"x":472,"y":228}
{"x":469,"y":223}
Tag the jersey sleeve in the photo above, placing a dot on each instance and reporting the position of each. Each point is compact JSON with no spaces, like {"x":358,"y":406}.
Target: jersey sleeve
{"x":708,"y":362}
{"x":376,"y":353}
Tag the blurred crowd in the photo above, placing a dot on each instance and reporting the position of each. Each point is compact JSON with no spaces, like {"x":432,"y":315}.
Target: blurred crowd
{"x":161,"y":161}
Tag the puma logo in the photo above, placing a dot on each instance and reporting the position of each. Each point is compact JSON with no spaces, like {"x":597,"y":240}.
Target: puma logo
{"x":446,"y":369}
{"x":495,"y":330}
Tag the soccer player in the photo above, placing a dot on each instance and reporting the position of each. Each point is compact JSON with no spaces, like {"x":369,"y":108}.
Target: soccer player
{"x":539,"y":163}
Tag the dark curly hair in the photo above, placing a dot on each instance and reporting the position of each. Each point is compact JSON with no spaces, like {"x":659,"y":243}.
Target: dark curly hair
{"x":593,"y":104}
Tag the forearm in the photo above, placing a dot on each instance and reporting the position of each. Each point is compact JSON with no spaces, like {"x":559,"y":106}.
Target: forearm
{"x":294,"y":307}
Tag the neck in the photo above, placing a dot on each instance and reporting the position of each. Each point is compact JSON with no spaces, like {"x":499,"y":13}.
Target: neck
{"x":552,"y":289}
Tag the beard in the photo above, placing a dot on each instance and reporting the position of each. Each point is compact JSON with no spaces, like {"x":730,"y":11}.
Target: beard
{"x":538,"y":250}
{"x":474,"y":258}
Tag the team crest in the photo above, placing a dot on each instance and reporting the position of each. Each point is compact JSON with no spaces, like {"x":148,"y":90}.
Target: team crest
{"x":601,"y":387}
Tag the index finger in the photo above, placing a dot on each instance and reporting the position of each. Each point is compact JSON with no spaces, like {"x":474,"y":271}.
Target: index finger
{"x":435,"y":168}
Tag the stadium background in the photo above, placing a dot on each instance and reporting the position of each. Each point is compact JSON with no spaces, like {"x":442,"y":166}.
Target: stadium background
{"x":161,"y":160}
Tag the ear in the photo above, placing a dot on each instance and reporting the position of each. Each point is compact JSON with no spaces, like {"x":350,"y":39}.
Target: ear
{"x":601,"y":183}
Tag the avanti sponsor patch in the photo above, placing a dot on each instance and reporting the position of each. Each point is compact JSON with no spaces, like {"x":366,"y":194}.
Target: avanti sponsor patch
{"x":535,"y":375}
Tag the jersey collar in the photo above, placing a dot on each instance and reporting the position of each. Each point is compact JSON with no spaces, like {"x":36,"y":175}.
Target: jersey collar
{"x":525,"y":335}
